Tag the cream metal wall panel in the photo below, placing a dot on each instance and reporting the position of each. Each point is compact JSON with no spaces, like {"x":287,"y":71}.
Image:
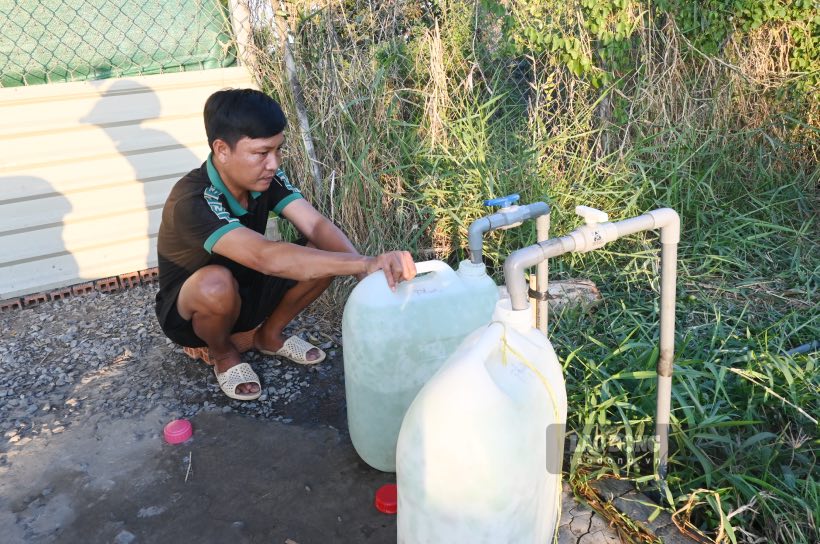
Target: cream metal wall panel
{"x":82,"y":175}
{"x":59,"y":270}
{"x":48,"y":240}
{"x":27,"y":151}
{"x":105,"y":203}
{"x":86,"y":169}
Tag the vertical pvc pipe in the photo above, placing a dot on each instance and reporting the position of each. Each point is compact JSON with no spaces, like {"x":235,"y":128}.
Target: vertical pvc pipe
{"x":542,"y":231}
{"x":475,"y":238}
{"x":669,"y":260}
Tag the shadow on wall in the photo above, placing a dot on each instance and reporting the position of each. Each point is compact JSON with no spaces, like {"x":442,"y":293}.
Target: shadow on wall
{"x":33,"y":252}
{"x":128,"y":112}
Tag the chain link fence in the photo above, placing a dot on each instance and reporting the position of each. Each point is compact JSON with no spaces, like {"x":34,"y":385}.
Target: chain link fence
{"x":52,"y":41}
{"x":414,"y":43}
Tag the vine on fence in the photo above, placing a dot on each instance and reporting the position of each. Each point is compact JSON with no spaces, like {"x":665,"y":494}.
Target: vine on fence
{"x":595,"y":42}
{"x":710,"y":24}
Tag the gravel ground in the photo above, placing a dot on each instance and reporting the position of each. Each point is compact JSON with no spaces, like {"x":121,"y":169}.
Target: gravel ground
{"x":105,"y":355}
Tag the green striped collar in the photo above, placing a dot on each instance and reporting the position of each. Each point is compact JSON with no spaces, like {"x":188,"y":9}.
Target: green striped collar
{"x":216,"y":181}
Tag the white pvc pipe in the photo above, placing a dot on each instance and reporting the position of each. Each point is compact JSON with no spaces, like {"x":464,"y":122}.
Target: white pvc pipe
{"x":635,"y":225}
{"x":669,"y":258}
{"x":592,"y":236}
{"x":542,"y":232}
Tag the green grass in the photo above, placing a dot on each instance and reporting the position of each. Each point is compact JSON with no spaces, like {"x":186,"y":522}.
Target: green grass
{"x":408,"y":163}
{"x":742,"y":409}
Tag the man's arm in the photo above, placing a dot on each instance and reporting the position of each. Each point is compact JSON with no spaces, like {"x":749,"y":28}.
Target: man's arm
{"x":249,"y":248}
{"x":337,"y":258}
{"x":317,"y":228}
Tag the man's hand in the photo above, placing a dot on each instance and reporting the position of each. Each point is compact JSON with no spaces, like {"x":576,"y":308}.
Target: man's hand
{"x":397,"y":265}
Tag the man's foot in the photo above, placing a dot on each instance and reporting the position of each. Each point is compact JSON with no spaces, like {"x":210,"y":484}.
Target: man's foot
{"x":223,"y":362}
{"x":300,"y":352}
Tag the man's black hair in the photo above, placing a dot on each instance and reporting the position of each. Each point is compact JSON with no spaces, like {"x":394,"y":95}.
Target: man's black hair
{"x":233,"y":114}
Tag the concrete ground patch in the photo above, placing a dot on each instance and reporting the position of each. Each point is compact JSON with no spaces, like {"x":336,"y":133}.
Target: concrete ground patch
{"x":247,"y":481}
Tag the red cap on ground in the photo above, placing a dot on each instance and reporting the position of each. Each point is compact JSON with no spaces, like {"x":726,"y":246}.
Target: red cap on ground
{"x":387,"y":499}
{"x":178,"y":431}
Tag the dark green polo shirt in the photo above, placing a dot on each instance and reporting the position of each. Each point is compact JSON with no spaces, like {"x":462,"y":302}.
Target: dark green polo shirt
{"x":198,"y":212}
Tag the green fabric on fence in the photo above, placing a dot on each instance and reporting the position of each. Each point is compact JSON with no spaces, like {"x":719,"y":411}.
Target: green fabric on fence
{"x":69,"y":40}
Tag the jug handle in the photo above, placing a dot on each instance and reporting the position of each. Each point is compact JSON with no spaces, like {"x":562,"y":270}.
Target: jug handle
{"x":425,"y":267}
{"x":422,"y":268}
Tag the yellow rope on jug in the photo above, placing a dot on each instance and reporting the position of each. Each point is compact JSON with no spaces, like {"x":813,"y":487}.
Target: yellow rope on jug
{"x":529,"y":365}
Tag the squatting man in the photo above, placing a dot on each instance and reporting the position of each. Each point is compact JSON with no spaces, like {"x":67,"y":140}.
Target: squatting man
{"x":219,"y":275}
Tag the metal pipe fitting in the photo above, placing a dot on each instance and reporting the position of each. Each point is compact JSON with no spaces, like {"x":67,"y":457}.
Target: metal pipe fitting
{"x":475,"y":233}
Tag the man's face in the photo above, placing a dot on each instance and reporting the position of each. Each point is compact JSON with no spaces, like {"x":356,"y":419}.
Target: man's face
{"x":252,"y":163}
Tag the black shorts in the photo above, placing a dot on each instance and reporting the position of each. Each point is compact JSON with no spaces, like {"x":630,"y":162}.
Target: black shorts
{"x":258,"y":301}
{"x":259,"y":297}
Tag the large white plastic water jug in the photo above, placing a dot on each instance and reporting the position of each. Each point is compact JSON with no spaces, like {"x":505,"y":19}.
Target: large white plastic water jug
{"x":480,"y":450}
{"x":395,"y":341}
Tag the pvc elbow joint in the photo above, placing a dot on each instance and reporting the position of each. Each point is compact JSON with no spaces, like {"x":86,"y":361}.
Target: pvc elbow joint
{"x":515,"y":215}
{"x":475,"y":238}
{"x":668,"y":221}
{"x":536,"y":209}
{"x":505,"y":218}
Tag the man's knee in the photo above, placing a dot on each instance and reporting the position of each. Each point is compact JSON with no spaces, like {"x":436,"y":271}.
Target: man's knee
{"x":214,"y":289}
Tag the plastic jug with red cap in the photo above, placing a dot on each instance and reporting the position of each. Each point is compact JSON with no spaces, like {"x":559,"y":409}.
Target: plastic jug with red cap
{"x":395,"y":341}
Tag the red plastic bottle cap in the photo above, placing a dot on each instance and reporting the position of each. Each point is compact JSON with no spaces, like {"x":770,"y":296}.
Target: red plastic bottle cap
{"x":178,"y":431}
{"x":387,"y":499}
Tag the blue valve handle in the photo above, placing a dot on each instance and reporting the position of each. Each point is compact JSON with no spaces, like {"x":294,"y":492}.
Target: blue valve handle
{"x":503,"y":201}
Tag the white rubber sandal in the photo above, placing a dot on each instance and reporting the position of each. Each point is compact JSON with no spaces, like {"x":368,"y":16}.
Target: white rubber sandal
{"x":296,"y":350}
{"x":236,"y":375}
{"x":242,"y":341}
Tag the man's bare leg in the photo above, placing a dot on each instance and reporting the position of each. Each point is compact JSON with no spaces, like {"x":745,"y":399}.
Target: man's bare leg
{"x":210,"y":299}
{"x":269,"y":336}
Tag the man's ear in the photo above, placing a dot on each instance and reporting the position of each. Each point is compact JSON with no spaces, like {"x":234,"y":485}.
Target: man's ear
{"x":221,"y":150}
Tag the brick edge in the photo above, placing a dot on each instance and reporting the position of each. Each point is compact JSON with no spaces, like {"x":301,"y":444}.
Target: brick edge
{"x":104,"y":285}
